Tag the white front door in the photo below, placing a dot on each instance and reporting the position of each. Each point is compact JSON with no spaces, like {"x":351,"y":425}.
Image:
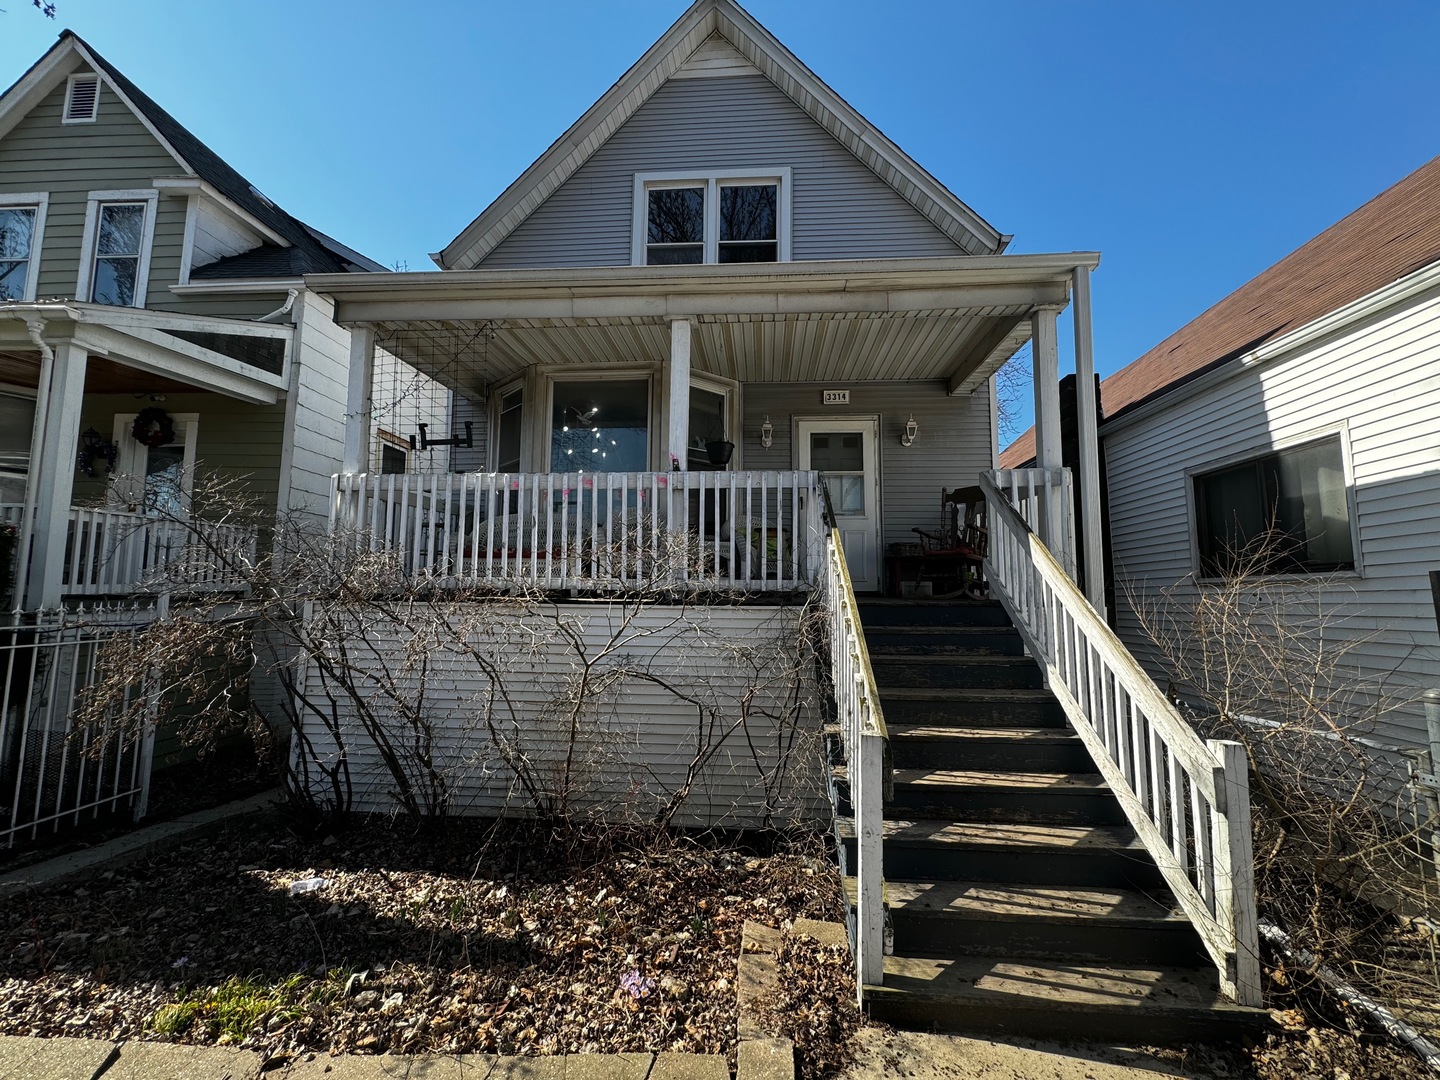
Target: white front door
{"x":155,"y":480}
{"x":845,"y":449}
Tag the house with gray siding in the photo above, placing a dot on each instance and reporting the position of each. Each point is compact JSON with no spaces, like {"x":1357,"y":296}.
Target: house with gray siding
{"x":721,"y":309}
{"x":1300,"y":410}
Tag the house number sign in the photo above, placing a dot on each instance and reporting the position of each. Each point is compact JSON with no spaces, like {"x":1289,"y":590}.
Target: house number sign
{"x":836,"y":397}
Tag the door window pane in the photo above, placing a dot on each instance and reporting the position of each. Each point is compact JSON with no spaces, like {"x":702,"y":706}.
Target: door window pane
{"x":165,"y":479}
{"x":837,"y":451}
{"x":600,"y":425}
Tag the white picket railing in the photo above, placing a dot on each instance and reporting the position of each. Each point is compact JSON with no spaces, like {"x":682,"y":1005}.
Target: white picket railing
{"x":1187,"y":799}
{"x":115,"y":552}
{"x":752,"y":531}
{"x":1041,"y":496}
{"x":865,"y":741}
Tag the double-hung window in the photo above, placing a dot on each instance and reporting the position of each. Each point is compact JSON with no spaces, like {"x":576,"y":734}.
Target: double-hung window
{"x":22,"y":222}
{"x":1283,"y":512}
{"x":119,"y":227}
{"x":684,"y":219}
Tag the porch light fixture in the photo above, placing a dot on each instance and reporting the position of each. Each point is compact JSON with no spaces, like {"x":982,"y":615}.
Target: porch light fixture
{"x":912,"y":432}
{"x":767,"y":433}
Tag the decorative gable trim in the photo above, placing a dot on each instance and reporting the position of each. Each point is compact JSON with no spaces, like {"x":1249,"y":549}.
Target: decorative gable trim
{"x":691,"y":35}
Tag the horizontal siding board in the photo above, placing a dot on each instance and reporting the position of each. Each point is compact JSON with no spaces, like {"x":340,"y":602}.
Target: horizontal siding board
{"x":636,"y":740}
{"x":840,"y":208}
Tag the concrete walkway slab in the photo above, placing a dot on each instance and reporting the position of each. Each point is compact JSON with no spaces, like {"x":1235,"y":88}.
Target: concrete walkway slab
{"x":26,"y":1058}
{"x":392,"y":1067}
{"x":689,"y":1067}
{"x":608,"y":1066}
{"x":139,"y":844}
{"x":175,"y":1061}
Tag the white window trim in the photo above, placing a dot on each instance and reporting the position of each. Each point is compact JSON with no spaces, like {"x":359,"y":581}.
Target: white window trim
{"x":498,"y":393}
{"x":552,"y":374}
{"x":151,"y":198}
{"x":65,"y":117}
{"x":1276,"y":446}
{"x":40,"y":200}
{"x":711,"y":182}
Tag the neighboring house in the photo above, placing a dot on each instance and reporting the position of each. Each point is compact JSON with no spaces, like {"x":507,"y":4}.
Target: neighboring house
{"x":146,"y":286}
{"x":140,"y":271}
{"x":1310,"y":396}
{"x":720,"y":278}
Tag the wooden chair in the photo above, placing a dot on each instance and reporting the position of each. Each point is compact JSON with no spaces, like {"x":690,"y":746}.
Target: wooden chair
{"x":957,"y":550}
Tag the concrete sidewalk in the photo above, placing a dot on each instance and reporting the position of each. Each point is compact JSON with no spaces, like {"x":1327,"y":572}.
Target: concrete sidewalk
{"x":23,"y":1058}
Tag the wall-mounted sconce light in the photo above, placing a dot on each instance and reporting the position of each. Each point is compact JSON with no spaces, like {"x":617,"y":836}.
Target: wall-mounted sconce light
{"x":767,"y":433}
{"x":912,"y":432}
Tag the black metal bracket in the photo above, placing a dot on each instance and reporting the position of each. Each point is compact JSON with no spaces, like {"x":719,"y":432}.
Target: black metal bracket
{"x":427,"y":443}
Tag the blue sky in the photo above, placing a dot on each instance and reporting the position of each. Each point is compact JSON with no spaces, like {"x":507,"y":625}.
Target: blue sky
{"x":1192,"y":144}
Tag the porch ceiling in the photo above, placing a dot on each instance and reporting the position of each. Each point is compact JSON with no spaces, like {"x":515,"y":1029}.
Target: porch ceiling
{"x":101,"y":376}
{"x":920,"y":319}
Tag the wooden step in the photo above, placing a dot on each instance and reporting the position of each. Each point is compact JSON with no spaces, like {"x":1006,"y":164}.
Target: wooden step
{"x":894,"y":611}
{"x":1039,"y":998}
{"x":996,"y":795}
{"x":1013,"y":748}
{"x":966,"y":705}
{"x":956,"y":670}
{"x":940,"y":919}
{"x":924,"y":640}
{"x":1032,"y":854}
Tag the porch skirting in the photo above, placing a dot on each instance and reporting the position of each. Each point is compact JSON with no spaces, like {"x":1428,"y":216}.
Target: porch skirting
{"x":699,"y":715}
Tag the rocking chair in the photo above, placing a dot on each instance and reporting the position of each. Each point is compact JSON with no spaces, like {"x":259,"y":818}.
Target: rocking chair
{"x":956,"y":552}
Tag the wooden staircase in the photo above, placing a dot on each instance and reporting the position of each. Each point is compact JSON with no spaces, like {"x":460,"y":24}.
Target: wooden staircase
{"x":1018,"y":897}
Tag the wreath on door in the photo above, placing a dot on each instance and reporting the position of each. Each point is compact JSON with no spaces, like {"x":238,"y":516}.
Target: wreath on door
{"x":153,"y":427}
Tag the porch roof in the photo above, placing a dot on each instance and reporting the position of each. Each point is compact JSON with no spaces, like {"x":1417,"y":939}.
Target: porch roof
{"x":956,"y":319}
{"x":161,"y":347}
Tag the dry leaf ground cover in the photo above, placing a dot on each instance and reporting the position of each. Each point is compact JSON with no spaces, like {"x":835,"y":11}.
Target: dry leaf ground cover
{"x":461,"y":937}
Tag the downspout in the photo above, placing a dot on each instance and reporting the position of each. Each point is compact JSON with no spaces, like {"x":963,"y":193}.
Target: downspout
{"x":283,"y":309}
{"x":35,"y":324}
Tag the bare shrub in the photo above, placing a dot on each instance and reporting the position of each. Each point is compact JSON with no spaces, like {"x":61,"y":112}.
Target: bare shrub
{"x":407,"y":693}
{"x":1271,"y":661}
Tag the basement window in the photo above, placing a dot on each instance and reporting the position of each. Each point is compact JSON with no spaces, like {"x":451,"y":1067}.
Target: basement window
{"x":82,"y":99}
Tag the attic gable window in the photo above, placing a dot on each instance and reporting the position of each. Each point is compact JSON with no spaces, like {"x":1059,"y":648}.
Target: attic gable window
{"x":82,"y":99}
{"x":682,"y":219}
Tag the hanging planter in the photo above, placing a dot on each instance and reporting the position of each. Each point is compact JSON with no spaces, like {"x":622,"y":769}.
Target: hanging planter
{"x":153,"y":427}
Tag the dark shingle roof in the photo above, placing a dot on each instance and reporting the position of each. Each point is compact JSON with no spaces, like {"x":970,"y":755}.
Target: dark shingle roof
{"x":1394,"y":234}
{"x":313,"y":251}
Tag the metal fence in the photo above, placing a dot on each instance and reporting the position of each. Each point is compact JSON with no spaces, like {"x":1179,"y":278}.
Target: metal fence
{"x":55,"y":772}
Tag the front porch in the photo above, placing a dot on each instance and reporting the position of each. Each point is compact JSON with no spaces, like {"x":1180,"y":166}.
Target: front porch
{"x":629,"y":404}
{"x":91,"y":510}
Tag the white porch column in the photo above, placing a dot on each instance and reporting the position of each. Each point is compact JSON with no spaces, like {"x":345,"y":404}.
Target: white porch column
{"x":357,"y":399}
{"x":54,"y":479}
{"x":1045,"y":353}
{"x":1089,"y":438}
{"x":679,"y":441}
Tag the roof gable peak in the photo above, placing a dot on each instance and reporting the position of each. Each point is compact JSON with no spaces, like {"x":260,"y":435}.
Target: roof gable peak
{"x":696,"y":45}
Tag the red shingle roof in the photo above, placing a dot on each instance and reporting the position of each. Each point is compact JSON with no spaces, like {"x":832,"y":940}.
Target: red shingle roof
{"x":1392,"y":235}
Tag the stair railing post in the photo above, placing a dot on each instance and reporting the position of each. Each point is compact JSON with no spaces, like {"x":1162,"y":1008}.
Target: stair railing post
{"x":1234,"y":872}
{"x":867,"y":790}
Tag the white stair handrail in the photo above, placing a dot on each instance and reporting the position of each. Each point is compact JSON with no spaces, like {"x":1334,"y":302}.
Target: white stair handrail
{"x":1187,"y":799}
